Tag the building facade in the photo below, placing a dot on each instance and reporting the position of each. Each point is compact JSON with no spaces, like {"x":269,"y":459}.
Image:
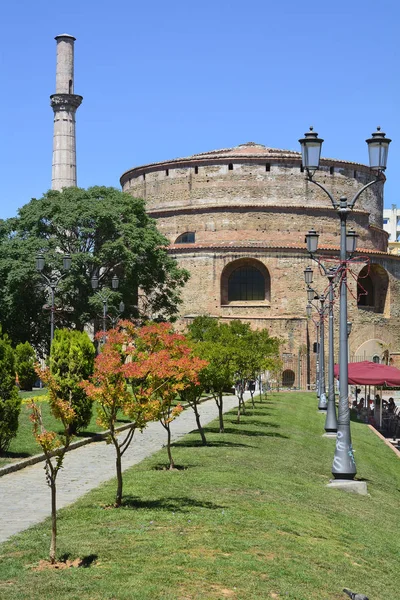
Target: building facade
{"x":236,"y":220}
{"x":391,"y":224}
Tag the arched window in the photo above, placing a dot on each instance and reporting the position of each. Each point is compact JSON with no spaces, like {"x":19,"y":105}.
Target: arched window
{"x":245,"y":280}
{"x":186,"y":238}
{"x":288,"y":378}
{"x":372,"y":288}
{"x":246,"y":283}
{"x":365,"y":290}
{"x":376,"y":359}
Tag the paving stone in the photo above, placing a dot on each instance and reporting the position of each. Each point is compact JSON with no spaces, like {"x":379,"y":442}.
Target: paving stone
{"x":25,"y":497}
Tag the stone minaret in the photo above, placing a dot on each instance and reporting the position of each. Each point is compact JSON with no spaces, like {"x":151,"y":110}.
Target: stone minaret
{"x":64,"y":104}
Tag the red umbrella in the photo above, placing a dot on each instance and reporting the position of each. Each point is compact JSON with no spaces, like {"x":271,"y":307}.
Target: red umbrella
{"x":370,"y":373}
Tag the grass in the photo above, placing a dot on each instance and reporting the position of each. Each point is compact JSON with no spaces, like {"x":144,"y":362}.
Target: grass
{"x":24,"y":444}
{"x":249,"y":517}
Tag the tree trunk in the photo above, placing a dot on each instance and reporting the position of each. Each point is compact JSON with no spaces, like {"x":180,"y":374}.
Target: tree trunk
{"x":171,"y":461}
{"x":118,"y":464}
{"x":53,"y":543}
{"x":238,"y":410}
{"x":252,"y":398}
{"x":220,"y":413}
{"x":242,"y":401}
{"x":259,"y":388}
{"x":199,"y":427}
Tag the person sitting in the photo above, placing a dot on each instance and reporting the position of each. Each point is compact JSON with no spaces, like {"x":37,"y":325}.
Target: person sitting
{"x":391,"y":406}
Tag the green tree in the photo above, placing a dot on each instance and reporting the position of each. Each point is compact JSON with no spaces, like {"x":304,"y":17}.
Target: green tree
{"x":71,"y":361}
{"x":254,"y":351}
{"x":214,"y":343}
{"x":235,"y":354}
{"x":107,"y":232}
{"x":25,"y":359}
{"x":10,"y":402}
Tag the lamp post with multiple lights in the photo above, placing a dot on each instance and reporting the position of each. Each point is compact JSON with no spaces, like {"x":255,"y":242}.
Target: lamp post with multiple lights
{"x":331,"y":420}
{"x":320,"y":308}
{"x":118,"y":312}
{"x":344,"y":466}
{"x":105,"y":295}
{"x":52,"y":282}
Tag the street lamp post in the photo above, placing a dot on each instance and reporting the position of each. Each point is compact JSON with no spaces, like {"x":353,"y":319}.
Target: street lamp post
{"x":330,"y":421}
{"x":312,"y":295}
{"x":114,"y":319}
{"x":344,"y":466}
{"x":104,"y":295}
{"x":52,"y":283}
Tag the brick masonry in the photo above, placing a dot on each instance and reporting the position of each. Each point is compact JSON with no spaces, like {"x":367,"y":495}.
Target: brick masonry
{"x":253,"y":203}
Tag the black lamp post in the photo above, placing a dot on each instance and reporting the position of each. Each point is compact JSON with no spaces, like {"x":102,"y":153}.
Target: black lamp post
{"x":52,"y":282}
{"x":344,"y":466}
{"x":104,"y":295}
{"x":321,"y":386}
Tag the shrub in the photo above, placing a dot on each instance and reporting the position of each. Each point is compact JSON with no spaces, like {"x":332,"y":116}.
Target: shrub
{"x":71,"y":361}
{"x":25,"y":359}
{"x":10,"y":402}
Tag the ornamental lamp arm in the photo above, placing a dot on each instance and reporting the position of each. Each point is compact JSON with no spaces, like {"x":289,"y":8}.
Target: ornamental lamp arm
{"x":380,"y":177}
{"x":323,"y":188}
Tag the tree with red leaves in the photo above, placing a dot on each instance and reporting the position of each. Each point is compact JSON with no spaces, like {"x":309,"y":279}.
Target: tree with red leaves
{"x":108,"y":386}
{"x":161,"y":363}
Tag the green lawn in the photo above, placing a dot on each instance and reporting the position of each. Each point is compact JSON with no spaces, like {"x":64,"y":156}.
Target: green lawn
{"x":248,"y":517}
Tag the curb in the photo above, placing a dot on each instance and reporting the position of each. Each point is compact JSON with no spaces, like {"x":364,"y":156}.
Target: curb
{"x":385,"y":440}
{"x":98,"y":437}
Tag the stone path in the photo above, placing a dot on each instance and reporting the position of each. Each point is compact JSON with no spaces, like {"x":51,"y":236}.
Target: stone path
{"x":25,"y":497}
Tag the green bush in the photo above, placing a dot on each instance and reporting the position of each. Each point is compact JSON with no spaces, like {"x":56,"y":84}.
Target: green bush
{"x":10,"y":402}
{"x":71,"y":361}
{"x":25,"y":359}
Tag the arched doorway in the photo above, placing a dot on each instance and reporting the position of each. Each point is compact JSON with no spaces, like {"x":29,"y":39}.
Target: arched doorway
{"x":288,"y":378}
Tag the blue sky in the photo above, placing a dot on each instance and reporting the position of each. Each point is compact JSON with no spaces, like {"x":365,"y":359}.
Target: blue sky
{"x":168,"y":79}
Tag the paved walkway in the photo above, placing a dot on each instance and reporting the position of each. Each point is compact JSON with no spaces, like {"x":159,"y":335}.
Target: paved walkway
{"x":25,"y":497}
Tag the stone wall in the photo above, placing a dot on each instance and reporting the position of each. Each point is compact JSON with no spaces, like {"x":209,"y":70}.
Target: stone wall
{"x":249,"y":183}
{"x":258,"y":209}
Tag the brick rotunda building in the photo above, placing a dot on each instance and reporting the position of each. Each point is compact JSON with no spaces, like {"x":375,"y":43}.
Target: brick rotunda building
{"x":236,"y":219}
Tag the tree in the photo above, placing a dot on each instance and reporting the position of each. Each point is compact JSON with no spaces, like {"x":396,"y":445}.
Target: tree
{"x":107,"y":232}
{"x":54,"y":446}
{"x":255,"y":351}
{"x":108,"y":387}
{"x":161,"y":365}
{"x":192,"y":395}
{"x":25,"y":360}
{"x":214,"y":344}
{"x":71,"y":361}
{"x":10,"y":402}
{"x":234,"y":353}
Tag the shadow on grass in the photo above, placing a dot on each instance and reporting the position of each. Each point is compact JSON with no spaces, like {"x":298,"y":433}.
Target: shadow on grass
{"x":9,"y":454}
{"x":84,"y":563}
{"x":182,"y":504}
{"x":256,"y":423}
{"x":210,"y":444}
{"x":240,"y":431}
{"x":165,"y":467}
{"x":256,"y":412}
